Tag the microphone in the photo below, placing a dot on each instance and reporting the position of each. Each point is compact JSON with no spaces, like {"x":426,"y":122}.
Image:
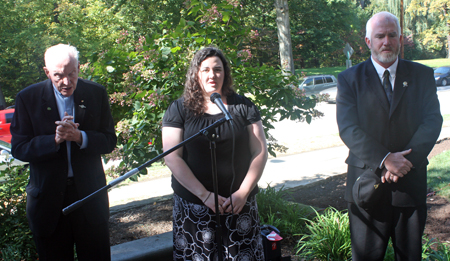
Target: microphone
{"x":215,"y":98}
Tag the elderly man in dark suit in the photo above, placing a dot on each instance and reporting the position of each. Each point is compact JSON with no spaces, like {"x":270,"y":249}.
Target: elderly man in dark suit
{"x":389,"y":117}
{"x":61,"y":126}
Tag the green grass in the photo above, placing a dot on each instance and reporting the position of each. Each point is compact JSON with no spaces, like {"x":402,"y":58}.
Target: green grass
{"x":446,"y":117}
{"x":439,"y":174}
{"x":434,"y":63}
{"x":326,"y":70}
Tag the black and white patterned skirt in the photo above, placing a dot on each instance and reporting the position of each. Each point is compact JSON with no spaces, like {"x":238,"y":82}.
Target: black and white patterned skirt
{"x":194,"y":229}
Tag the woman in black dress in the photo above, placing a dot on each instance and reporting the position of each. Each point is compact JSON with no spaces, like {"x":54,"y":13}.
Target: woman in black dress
{"x":194,"y":207}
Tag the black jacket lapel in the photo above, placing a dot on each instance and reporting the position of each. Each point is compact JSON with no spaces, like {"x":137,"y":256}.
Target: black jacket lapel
{"x":49,"y":107}
{"x":401,"y":85}
{"x":79,"y":103}
{"x":374,"y":85}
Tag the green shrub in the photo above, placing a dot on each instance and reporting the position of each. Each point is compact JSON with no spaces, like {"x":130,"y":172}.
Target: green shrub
{"x":16,"y":240}
{"x":434,"y":250}
{"x":328,"y":237}
{"x":274,"y":209}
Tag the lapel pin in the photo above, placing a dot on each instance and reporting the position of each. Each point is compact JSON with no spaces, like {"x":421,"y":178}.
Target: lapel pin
{"x":405,"y":84}
{"x":82,"y":106}
{"x":49,"y":109}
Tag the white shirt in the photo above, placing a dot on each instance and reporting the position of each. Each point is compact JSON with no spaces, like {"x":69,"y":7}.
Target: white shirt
{"x":380,"y":71}
{"x":66,"y":104}
{"x":392,"y":71}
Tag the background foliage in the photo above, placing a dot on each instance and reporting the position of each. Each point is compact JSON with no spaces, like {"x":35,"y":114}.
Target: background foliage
{"x":143,"y":77}
{"x":16,"y":242}
{"x":140,"y":50}
{"x":320,"y":29}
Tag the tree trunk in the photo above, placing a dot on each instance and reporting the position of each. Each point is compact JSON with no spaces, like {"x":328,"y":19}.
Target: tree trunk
{"x":448,"y":31}
{"x":2,"y":100}
{"x":284,"y":36}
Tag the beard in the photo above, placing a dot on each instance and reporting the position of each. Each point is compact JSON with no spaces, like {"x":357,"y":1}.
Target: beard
{"x":386,"y":57}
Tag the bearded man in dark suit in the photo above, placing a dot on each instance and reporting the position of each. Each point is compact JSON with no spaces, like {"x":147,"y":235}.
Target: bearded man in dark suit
{"x":61,"y":126}
{"x":390,"y":121}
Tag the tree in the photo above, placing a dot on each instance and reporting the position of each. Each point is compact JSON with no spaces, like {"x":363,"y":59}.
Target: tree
{"x":144,"y":76}
{"x":284,"y":36}
{"x":319,"y":37}
{"x":436,"y":32}
{"x":23,"y":40}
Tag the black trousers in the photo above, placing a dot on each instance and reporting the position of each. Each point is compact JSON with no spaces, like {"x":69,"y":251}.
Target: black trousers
{"x":371,"y":229}
{"x":91,"y":241}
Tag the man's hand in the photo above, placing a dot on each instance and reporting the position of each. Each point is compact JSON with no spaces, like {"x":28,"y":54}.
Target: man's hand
{"x":387,"y":176}
{"x":66,"y":129}
{"x":397,"y":164}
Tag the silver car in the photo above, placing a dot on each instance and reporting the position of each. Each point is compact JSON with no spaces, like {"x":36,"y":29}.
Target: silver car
{"x":317,"y":83}
{"x":6,"y":157}
{"x":331,"y":94}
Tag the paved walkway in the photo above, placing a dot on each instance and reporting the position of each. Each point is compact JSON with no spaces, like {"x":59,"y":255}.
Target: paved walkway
{"x":288,"y":171}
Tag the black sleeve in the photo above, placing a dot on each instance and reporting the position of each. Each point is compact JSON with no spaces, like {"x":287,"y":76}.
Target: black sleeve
{"x":174,"y":115}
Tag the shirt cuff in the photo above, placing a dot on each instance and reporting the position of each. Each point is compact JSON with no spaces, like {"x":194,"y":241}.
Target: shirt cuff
{"x":384,"y":159}
{"x":84,"y":143}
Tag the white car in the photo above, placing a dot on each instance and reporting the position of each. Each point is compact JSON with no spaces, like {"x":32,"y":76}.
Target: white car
{"x":332,"y":92}
{"x":317,"y":83}
{"x":5,"y":155}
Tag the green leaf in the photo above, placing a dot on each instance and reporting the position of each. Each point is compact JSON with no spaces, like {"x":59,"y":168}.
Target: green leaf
{"x":165,"y":50}
{"x":175,"y":49}
{"x":200,"y":39}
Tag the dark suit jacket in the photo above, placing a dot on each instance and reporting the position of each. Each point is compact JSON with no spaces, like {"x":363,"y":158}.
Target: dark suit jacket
{"x":371,"y":128}
{"x":33,"y":140}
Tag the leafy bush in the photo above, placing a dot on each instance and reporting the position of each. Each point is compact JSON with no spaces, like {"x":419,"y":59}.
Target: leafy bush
{"x":328,"y":237}
{"x":16,"y":240}
{"x":435,"y":250}
{"x":274,"y":209}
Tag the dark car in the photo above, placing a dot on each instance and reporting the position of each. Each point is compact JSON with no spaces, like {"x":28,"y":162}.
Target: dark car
{"x":442,"y":76}
{"x":317,"y":83}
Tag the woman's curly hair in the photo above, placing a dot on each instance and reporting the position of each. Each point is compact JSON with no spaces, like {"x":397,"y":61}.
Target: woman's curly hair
{"x":194,"y":99}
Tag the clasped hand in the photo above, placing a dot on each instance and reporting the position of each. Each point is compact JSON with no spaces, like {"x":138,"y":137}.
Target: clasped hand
{"x":68,"y":130}
{"x":239,"y":200}
{"x":396,"y":166}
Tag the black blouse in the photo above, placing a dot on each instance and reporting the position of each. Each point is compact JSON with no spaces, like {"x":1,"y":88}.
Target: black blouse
{"x":197,"y":153}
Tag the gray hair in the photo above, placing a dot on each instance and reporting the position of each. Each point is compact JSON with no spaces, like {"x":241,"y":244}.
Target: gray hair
{"x":59,"y":51}
{"x":386,"y":14}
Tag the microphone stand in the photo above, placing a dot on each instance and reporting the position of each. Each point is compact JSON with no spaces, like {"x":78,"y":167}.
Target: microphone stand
{"x":212,"y":146}
{"x":77,"y":204}
{"x":211,"y":135}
